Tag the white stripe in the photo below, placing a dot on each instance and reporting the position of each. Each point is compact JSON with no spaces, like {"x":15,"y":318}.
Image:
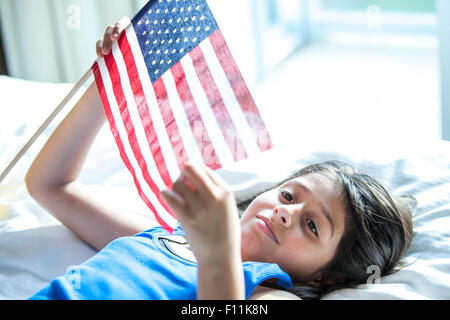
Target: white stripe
{"x":123,"y":137}
{"x":158,"y":122}
{"x":136,"y":120}
{"x":190,"y":144}
{"x":223,"y":85}
{"x":208,"y":117}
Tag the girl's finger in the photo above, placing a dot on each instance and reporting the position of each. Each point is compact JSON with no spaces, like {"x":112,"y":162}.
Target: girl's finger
{"x":215,"y":177}
{"x":119,"y":27}
{"x":199,"y":178}
{"x":188,"y":195}
{"x":174,"y":200}
{"x":107,"y":40}
{"x":98,"y":48}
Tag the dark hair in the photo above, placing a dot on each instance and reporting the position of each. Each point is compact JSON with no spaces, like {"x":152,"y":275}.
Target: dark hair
{"x":378,"y":230}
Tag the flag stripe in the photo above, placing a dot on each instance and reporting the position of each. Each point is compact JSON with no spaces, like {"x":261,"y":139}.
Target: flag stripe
{"x":122,"y":152}
{"x":194,"y":117}
{"x":142,"y":107}
{"x":236,"y":113}
{"x":218,"y":143}
{"x":170,"y":123}
{"x":123,"y":134}
{"x":241,"y":91}
{"x":125,"y":115}
{"x":154,"y":110}
{"x":141,"y":137}
{"x":217,"y":105}
{"x":192,"y":152}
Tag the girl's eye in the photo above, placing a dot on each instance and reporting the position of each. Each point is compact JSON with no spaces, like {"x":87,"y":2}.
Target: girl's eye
{"x":286,"y":195}
{"x":312,"y":226}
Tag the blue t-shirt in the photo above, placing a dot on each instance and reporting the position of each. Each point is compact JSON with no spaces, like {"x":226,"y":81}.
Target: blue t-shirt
{"x":142,"y":268}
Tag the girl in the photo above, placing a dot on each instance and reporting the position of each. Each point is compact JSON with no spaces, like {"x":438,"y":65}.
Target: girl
{"x":316,"y":231}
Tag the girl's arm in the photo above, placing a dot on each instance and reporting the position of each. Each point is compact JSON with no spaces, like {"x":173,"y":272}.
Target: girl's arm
{"x":52,"y":178}
{"x":207,"y":210}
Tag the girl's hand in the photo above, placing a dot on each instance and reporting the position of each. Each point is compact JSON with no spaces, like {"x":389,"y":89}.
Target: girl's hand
{"x":206,"y":208}
{"x":112,"y":33}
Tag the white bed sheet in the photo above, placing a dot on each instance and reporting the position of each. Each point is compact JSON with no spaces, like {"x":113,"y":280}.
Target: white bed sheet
{"x":34,"y":247}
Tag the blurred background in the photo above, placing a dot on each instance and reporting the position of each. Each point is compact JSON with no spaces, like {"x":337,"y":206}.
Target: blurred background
{"x":361,"y":70}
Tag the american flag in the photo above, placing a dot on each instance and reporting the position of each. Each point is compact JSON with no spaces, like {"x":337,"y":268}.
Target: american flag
{"x":173,"y":93}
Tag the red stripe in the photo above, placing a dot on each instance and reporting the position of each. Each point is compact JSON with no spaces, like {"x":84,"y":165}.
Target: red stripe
{"x":217,"y":105}
{"x":123,"y":154}
{"x":241,"y":91}
{"x":143,"y":109}
{"x":123,"y":108}
{"x":169,"y":122}
{"x":194,"y":117}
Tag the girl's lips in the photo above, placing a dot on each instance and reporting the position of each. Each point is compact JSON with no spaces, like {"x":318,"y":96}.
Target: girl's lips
{"x":267,"y":228}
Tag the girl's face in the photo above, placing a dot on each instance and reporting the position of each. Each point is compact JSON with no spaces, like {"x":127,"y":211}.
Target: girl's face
{"x":297,"y":226}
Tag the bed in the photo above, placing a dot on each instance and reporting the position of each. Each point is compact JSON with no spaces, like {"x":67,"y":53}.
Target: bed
{"x":34,"y":247}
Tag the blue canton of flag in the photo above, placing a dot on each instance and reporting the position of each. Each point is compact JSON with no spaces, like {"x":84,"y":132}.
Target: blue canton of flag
{"x":167,"y":32}
{"x":173,"y":93}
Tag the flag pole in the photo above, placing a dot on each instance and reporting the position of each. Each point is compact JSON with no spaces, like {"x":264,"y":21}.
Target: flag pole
{"x":46,"y":123}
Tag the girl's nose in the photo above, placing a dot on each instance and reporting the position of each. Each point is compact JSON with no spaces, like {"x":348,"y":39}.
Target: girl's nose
{"x":283,"y":216}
